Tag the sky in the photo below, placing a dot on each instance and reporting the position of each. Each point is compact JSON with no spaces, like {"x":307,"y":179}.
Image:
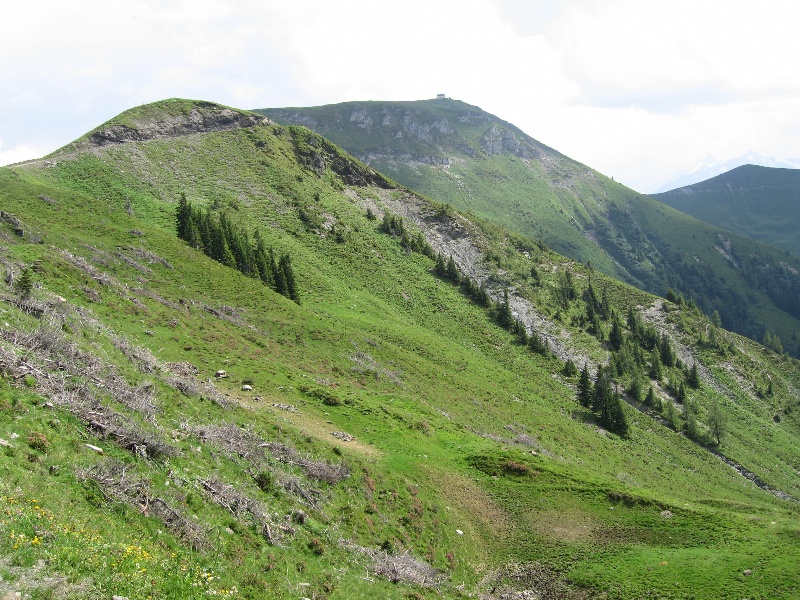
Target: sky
{"x":640,"y":90}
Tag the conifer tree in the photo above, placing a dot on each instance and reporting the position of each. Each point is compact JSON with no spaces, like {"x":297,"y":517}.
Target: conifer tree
{"x":650,"y":399}
{"x":601,"y":390}
{"x":636,"y":388}
{"x":570,"y":370}
{"x":694,"y":377}
{"x":615,"y":336}
{"x":614,"y":416}
{"x":193,"y":235}
{"x":537,"y":344}
{"x":23,"y":287}
{"x":667,"y":352}
{"x":504,"y":316}
{"x":605,"y":305}
{"x":715,"y":421}
{"x":441,"y":266}
{"x":592,"y":303}
{"x":585,"y":388}
{"x":277,"y":275}
{"x":261,"y":258}
{"x":681,"y":394}
{"x":656,"y":371}
{"x":285,"y":267}
{"x":182,"y":215}
{"x":452,"y":271}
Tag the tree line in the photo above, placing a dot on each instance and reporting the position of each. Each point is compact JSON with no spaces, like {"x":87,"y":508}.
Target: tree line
{"x":218,"y":237}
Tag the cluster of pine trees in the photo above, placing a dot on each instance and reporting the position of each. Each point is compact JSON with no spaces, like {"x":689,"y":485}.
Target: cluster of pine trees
{"x":394,"y":226}
{"x":448,"y":270}
{"x":602,"y":399}
{"x":219,"y":238}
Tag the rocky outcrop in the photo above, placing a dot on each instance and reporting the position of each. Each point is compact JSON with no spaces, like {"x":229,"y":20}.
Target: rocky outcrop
{"x":497,"y":140}
{"x":201,"y":119}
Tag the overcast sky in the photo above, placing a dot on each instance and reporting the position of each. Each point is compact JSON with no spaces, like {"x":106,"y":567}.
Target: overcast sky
{"x":641,"y":90}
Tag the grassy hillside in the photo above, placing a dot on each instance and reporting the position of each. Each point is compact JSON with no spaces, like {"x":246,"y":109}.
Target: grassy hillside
{"x":760,"y":202}
{"x":383,"y":437}
{"x":462,"y":155}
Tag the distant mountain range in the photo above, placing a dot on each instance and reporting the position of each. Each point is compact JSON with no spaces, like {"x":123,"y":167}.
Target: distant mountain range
{"x":759,"y":202}
{"x":459,"y":154}
{"x":711,"y":167}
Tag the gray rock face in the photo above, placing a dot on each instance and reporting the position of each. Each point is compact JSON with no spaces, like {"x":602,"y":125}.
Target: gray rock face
{"x":497,"y":140}
{"x":197,"y":121}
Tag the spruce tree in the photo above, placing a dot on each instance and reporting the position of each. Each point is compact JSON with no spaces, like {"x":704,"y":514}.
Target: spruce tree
{"x":715,"y":421}
{"x":656,"y":372}
{"x":601,"y":391}
{"x":615,"y":419}
{"x":441,"y":266}
{"x":537,"y":344}
{"x":585,"y":388}
{"x":605,"y":305}
{"x":285,"y":267}
{"x":193,"y":237}
{"x":667,"y":352}
{"x":569,"y":370}
{"x":650,"y":399}
{"x":278,"y":277}
{"x":452,"y":271}
{"x":24,"y":285}
{"x":694,"y":377}
{"x":182,"y":215}
{"x":504,"y":315}
{"x":615,"y":336}
{"x":636,"y":388}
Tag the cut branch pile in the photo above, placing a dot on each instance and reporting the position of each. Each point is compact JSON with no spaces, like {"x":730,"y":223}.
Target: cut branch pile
{"x":317,"y":470}
{"x":398,"y":568}
{"x":118,"y":485}
{"x":243,"y":508}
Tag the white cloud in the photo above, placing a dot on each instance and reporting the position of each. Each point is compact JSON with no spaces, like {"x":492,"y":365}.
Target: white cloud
{"x":19,"y":153}
{"x":638,"y":90}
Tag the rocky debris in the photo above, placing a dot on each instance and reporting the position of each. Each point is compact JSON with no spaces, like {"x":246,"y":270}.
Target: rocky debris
{"x":341,"y":435}
{"x":288,"y":407}
{"x":203,"y":118}
{"x":247,"y":388}
{"x":665,"y":514}
{"x":221,"y":373}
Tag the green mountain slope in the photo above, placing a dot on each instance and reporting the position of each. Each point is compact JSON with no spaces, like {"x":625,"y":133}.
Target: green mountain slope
{"x":760,"y":202}
{"x":462,"y":155}
{"x":390,"y":435}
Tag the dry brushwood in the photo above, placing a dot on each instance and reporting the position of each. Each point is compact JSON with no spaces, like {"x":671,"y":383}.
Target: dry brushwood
{"x":317,"y":470}
{"x":521,"y":582}
{"x":398,"y":568}
{"x":243,"y":507}
{"x":70,"y":377}
{"x":117,"y":484}
{"x":294,"y":486}
{"x":234,"y":441}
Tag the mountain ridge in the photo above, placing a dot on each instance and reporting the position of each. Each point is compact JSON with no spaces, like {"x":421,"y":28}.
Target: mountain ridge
{"x":390,"y":434}
{"x":457,"y":153}
{"x":757,"y":201}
